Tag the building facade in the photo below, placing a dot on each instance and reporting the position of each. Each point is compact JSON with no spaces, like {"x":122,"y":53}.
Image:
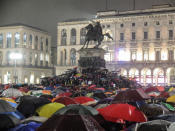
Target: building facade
{"x":35,"y":47}
{"x":143,"y":45}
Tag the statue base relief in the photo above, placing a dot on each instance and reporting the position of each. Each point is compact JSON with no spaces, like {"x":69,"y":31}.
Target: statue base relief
{"x":91,"y":58}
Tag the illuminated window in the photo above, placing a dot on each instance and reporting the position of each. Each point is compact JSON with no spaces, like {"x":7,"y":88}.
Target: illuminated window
{"x":7,"y":78}
{"x":17,"y":39}
{"x":32,"y":78}
{"x":145,"y":55}
{"x":133,"y":55}
{"x":123,"y":55}
{"x":25,"y":39}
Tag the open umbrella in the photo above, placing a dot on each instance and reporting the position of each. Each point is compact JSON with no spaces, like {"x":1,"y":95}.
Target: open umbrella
{"x":127,"y":112}
{"x":8,"y":121}
{"x":155,"y":125}
{"x":39,"y":119}
{"x":85,"y":100}
{"x":171,"y":99}
{"x":130,"y":95}
{"x":29,"y":104}
{"x":65,"y":100}
{"x":5,"y":107}
{"x":77,"y":109}
{"x":11,"y":92}
{"x":49,"y":109}
{"x":70,"y":123}
{"x":32,"y":126}
{"x":10,"y":101}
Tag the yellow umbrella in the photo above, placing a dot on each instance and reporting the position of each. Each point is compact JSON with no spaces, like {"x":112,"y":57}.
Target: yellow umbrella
{"x":49,"y":109}
{"x":8,"y":99}
{"x":171,"y":99}
{"x":171,"y":89}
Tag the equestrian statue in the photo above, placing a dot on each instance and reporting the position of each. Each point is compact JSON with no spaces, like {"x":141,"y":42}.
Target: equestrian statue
{"x":94,"y":33}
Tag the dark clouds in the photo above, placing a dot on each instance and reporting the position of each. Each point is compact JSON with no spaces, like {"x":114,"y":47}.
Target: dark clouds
{"x":46,"y":14}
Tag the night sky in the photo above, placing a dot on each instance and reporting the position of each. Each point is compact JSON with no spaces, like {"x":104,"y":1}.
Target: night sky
{"x":45,"y":14}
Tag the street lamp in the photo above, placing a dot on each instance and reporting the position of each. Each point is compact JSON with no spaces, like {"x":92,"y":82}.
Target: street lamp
{"x":15,"y":56}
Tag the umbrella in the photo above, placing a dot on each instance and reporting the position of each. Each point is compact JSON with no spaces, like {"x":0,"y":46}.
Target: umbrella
{"x":168,"y":106}
{"x":39,"y":119}
{"x":8,"y":121}
{"x":127,"y":112}
{"x":151,"y":89}
{"x":5,"y":107}
{"x":167,"y":117}
{"x":11,"y":92}
{"x":171,"y":127}
{"x":49,"y":109}
{"x":70,"y":123}
{"x":85,"y":100}
{"x":130,"y":95}
{"x":152,"y":110}
{"x":65,"y":100}
{"x":77,"y":109}
{"x":28,"y":104}
{"x":32,"y":126}
{"x":101,"y":106}
{"x":100,"y":95}
{"x":155,"y":125}
{"x":68,"y":94}
{"x":10,"y":101}
{"x":171,"y":99}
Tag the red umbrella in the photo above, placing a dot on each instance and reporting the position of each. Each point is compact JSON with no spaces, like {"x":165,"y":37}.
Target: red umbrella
{"x":65,"y":94}
{"x":115,"y":112}
{"x":160,"y":88}
{"x":65,"y":100}
{"x":151,"y":89}
{"x":83,"y":99}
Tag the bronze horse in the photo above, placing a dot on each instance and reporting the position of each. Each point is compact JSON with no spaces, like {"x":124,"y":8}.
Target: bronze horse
{"x":94,"y":35}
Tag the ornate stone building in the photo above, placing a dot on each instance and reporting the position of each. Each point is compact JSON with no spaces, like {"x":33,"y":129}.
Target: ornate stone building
{"x":143,"y":45}
{"x":35,"y":46}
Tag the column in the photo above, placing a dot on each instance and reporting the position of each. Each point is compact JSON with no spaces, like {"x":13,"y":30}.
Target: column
{"x":68,"y":57}
{"x":21,"y":39}
{"x":68,"y":37}
{"x":164,"y":73}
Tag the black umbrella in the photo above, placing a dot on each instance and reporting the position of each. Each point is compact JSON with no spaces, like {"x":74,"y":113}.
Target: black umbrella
{"x":8,"y":121}
{"x":29,"y":104}
{"x":70,"y":123}
{"x":5,"y":107}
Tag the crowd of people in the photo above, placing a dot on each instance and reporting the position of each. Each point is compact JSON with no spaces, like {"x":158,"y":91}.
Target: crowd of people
{"x":93,"y":99}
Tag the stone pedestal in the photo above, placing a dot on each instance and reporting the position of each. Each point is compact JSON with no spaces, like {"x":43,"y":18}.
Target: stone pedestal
{"x":91,"y":58}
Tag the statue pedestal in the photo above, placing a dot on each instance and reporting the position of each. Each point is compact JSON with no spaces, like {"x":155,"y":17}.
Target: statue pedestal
{"x":91,"y":58}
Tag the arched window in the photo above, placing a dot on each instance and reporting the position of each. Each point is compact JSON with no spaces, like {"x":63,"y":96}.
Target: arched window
{"x":47,"y":59}
{"x":17,"y":39}
{"x":47,"y":45}
{"x":7,"y":78}
{"x":36,"y":42}
{"x":25,"y":39}
{"x":82,"y":36}
{"x":41,"y":44}
{"x":61,"y":58}
{"x":73,"y":57}
{"x":32,"y":78}
{"x":30,"y":40}
{"x":41,"y":59}
{"x":73,"y":37}
{"x":36,"y":59}
{"x":1,"y":40}
{"x":65,"y":56}
{"x":9,"y":40}
{"x":63,"y":37}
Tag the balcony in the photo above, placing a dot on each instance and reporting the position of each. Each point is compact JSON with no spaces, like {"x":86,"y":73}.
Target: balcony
{"x":165,"y":63}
